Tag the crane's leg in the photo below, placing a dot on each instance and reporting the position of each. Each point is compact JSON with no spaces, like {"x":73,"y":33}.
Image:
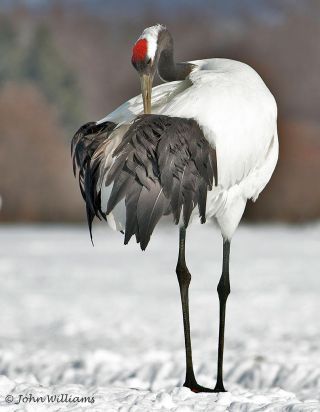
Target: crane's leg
{"x":223,"y":292}
{"x":184,"y":278}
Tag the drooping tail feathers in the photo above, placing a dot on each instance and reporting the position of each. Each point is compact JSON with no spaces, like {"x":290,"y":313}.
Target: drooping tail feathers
{"x":157,"y":165}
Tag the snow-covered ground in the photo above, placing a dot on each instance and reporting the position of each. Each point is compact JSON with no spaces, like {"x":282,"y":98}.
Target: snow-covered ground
{"x":105,"y":322}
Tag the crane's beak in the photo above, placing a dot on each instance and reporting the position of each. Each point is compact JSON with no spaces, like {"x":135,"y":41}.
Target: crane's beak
{"x":146,"y":88}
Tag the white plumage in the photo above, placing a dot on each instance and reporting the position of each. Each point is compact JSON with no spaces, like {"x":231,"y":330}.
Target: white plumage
{"x":151,"y":34}
{"x":238,"y":116}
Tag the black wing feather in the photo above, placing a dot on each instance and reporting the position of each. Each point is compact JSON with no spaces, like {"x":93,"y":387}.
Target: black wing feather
{"x":84,"y":144}
{"x":152,"y":205}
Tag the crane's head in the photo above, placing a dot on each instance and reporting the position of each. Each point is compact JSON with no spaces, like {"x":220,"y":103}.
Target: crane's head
{"x":145,"y":59}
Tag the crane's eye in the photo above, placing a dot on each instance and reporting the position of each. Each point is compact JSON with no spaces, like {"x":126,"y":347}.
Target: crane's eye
{"x":149,"y":60}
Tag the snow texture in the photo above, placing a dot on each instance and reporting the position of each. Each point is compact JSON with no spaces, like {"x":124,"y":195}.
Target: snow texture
{"x":105,"y":322}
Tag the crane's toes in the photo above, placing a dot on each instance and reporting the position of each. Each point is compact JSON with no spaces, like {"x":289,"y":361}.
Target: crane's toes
{"x":219,"y":388}
{"x":196,"y":388}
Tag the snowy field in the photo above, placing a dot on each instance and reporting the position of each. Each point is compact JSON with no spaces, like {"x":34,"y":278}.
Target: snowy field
{"x":105,"y":322}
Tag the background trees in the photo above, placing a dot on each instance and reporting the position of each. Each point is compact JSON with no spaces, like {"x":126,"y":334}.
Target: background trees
{"x":65,"y":63}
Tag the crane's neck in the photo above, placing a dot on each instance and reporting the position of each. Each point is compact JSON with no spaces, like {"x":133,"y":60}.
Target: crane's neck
{"x":168,"y":69}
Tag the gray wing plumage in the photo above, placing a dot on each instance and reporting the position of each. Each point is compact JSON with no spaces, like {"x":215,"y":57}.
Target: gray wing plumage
{"x":162,"y":165}
{"x":84,"y":145}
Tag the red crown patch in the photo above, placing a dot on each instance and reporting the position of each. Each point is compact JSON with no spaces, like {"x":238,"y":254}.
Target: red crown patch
{"x":139,"y":50}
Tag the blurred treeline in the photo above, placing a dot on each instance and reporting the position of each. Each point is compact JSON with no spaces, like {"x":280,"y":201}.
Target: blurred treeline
{"x":63,"y":66}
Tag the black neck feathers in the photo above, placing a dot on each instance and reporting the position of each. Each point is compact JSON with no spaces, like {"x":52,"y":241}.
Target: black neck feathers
{"x":168,"y":70}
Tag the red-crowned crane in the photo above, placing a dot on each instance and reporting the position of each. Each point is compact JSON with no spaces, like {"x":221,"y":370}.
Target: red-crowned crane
{"x":209,"y":145}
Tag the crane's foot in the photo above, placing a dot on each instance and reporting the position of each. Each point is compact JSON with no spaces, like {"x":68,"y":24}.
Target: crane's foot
{"x":219,"y":387}
{"x":196,"y":388}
